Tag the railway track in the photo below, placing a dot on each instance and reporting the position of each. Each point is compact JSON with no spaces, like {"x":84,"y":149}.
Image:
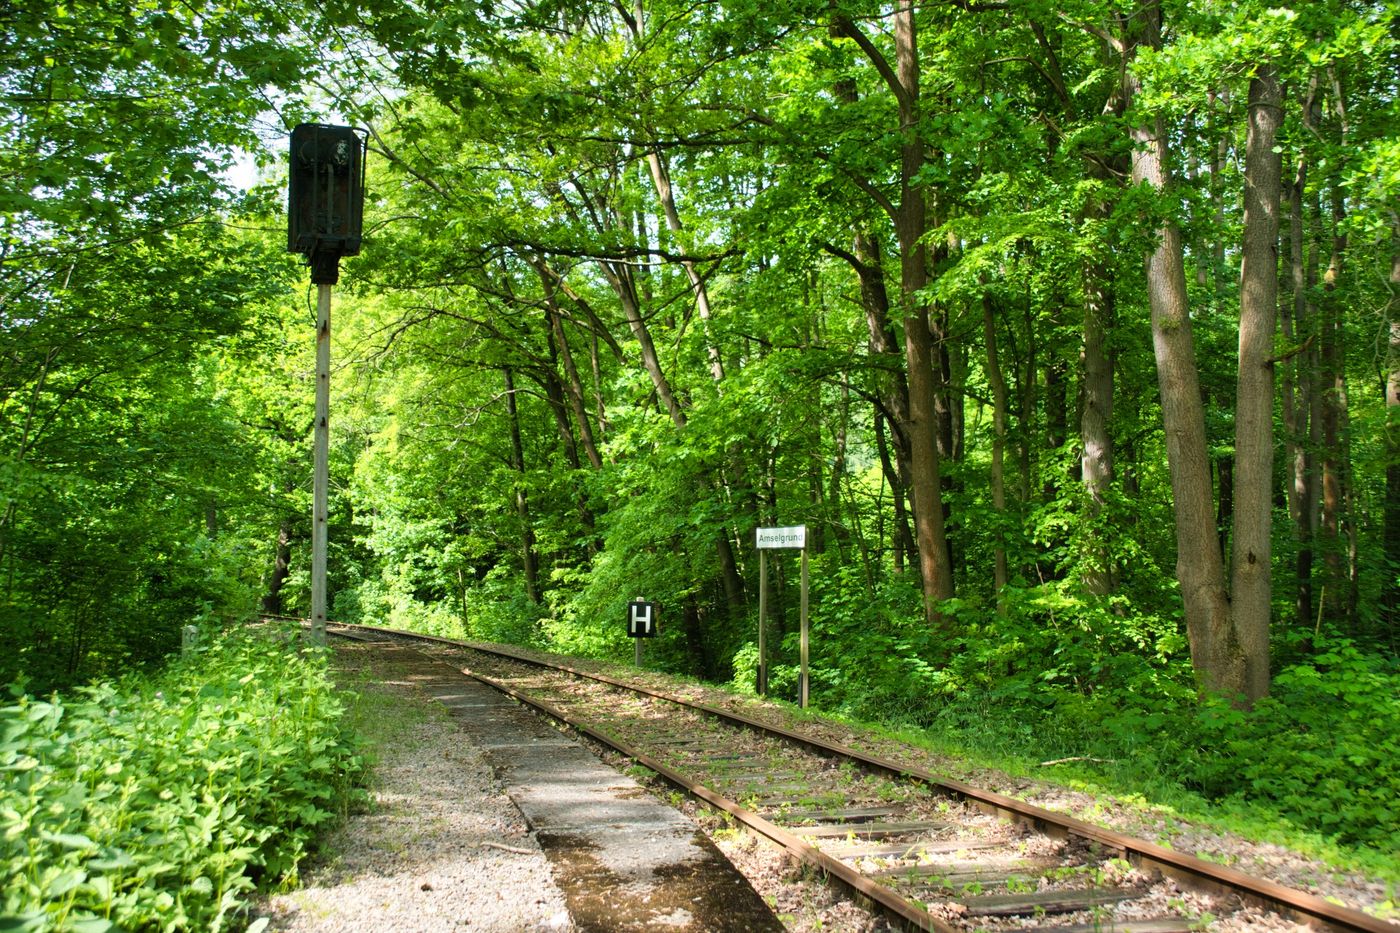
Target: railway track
{"x":928,"y":852}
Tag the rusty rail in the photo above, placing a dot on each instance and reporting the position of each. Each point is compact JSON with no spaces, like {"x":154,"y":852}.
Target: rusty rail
{"x":1297,"y":905}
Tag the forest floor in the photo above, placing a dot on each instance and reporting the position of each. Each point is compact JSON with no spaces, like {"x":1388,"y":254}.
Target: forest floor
{"x":440,"y":847}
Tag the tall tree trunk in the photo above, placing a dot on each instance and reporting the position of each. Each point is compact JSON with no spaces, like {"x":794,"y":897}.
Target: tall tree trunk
{"x":865,"y":259}
{"x":528,"y":558}
{"x":1297,"y":403}
{"x":919,"y":349}
{"x":661,"y":178}
{"x":1096,"y":441}
{"x":1390,"y":599}
{"x":910,"y":222}
{"x":953,"y":357}
{"x":1251,"y":562}
{"x":1216,"y":654}
{"x":1025,"y":367}
{"x":1336,"y":492}
{"x":998,"y":385}
{"x":839,"y":526}
{"x":281,"y":569}
{"x":559,"y":406}
{"x":573,"y":383}
{"x":1224,"y":498}
{"x":1333,"y":407}
{"x":901,"y":539}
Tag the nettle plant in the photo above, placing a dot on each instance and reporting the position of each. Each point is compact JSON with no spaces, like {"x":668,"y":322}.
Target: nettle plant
{"x":159,"y":804}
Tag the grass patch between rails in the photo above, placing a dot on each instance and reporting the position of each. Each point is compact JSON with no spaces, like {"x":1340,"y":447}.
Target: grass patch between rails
{"x":162,"y":803}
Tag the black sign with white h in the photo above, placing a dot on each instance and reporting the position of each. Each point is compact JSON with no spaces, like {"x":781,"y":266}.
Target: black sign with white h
{"x":641,"y":619}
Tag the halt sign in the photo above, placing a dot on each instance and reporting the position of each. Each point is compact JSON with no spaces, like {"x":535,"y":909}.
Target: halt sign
{"x":641,"y":619}
{"x":792,"y":537}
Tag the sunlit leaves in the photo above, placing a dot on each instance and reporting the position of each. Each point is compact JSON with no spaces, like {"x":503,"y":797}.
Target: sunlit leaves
{"x":160,"y":803}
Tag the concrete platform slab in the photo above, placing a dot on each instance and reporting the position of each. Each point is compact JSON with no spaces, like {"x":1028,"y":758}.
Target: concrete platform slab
{"x":624,"y":860}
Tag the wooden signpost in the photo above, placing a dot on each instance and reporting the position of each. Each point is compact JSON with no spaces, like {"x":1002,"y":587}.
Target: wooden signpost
{"x":767,"y":539}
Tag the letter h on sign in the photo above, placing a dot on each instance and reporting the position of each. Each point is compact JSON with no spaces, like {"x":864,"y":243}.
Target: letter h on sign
{"x":641,"y":619}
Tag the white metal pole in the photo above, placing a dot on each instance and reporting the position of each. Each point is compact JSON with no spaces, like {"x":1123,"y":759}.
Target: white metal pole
{"x":762,"y":621}
{"x":321,"y":478}
{"x":805,"y":686}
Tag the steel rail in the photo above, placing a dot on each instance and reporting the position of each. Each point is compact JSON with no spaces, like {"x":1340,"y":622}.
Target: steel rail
{"x":1298,"y":905}
{"x":885,"y":897}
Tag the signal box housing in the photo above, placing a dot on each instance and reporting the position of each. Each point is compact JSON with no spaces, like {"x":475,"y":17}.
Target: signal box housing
{"x":326,"y":197}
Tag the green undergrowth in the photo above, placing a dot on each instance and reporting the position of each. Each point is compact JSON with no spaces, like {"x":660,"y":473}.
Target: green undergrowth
{"x":161,"y":803}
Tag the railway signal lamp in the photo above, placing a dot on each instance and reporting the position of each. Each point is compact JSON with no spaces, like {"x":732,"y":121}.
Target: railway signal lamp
{"x":325,"y":210}
{"x":326,"y":197}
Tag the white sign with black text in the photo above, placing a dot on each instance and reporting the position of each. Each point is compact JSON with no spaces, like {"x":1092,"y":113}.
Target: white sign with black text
{"x":792,"y":537}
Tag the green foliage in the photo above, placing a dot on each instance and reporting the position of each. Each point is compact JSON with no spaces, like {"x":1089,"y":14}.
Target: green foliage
{"x":130,"y":498}
{"x":1323,"y":749}
{"x":869,"y":650}
{"x":1317,"y":756}
{"x":157,"y":804}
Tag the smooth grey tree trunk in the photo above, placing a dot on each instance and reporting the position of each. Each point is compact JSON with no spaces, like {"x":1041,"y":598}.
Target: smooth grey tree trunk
{"x":1216,"y":654}
{"x":1252,"y":555}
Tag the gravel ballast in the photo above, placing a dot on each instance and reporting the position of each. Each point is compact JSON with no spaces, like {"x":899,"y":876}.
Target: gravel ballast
{"x":439,"y":846}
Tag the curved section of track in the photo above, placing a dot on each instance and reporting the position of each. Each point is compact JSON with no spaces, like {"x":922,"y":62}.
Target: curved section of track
{"x":925,"y":849}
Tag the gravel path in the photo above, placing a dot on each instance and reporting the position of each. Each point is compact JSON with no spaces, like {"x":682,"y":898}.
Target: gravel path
{"x":439,"y":846}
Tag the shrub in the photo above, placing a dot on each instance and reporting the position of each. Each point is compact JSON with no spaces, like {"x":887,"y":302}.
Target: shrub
{"x":157,"y":804}
{"x":1323,"y":749}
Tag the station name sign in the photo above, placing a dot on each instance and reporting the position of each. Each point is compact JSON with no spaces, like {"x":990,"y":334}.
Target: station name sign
{"x":792,"y":537}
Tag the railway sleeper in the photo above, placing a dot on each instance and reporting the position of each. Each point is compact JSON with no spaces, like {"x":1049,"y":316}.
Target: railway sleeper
{"x":846,"y":815}
{"x":912,"y":850}
{"x":967,"y":867}
{"x":866,"y":830}
{"x":1044,"y":902}
{"x":1159,"y":925}
{"x":959,"y":883}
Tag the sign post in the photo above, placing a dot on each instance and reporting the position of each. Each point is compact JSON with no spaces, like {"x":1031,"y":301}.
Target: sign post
{"x":641,"y":623}
{"x":768,"y":539}
{"x":325,"y":208}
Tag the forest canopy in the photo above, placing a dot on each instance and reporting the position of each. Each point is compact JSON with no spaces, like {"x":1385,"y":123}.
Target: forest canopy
{"x":1068,"y":330}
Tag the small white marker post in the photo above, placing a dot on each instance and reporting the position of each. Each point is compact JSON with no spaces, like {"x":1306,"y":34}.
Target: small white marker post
{"x":767,"y":539}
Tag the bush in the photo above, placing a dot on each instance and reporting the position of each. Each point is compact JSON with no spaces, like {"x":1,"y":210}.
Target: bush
{"x":1323,"y":749}
{"x":157,"y":804}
